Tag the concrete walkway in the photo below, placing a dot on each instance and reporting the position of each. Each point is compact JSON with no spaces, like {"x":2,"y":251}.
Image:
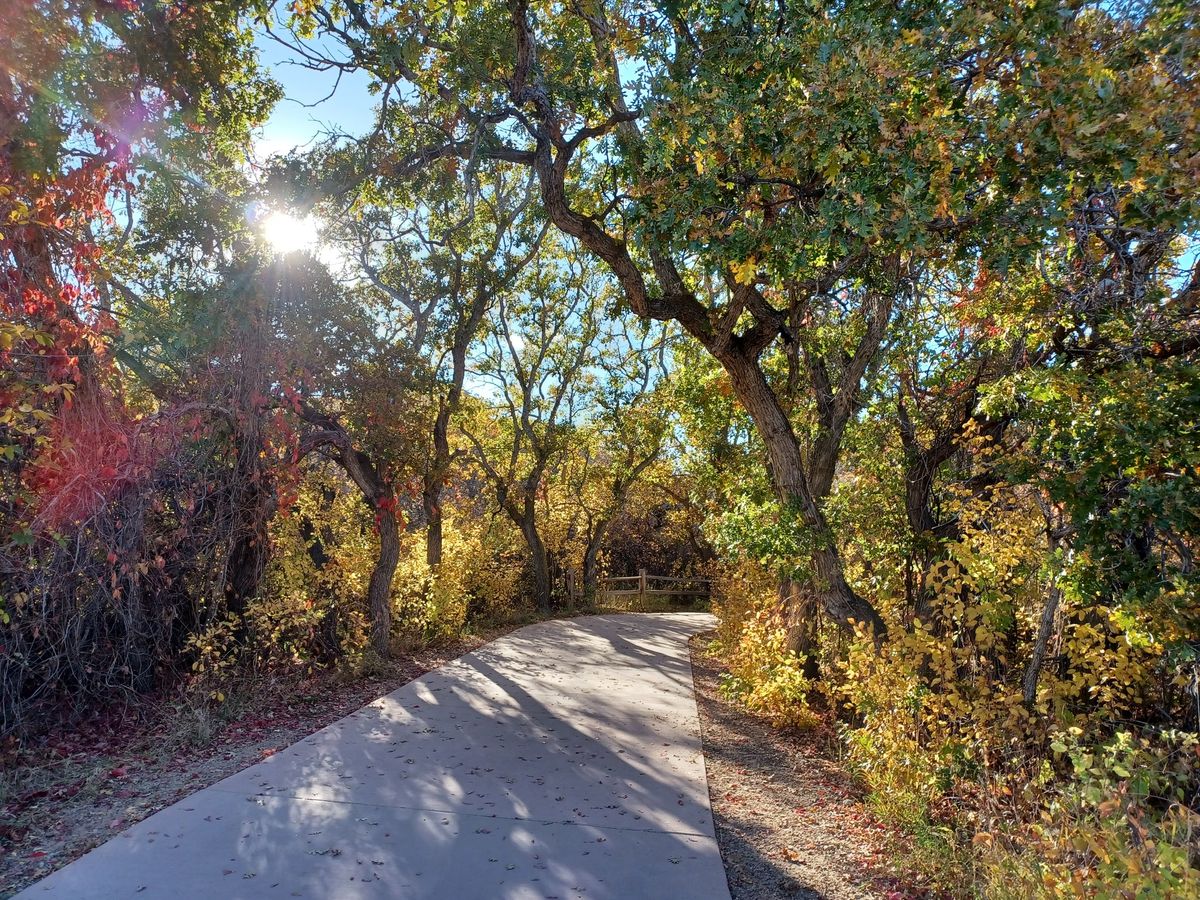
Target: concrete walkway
{"x":562,"y":761}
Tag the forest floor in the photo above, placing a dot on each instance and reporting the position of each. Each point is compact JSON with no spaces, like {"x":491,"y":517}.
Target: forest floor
{"x":74,"y":788}
{"x":791,"y":823}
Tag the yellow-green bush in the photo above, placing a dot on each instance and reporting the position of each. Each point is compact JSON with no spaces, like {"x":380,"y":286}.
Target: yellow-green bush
{"x":307,"y":615}
{"x":1122,"y":824}
{"x":763,"y":674}
{"x":490,"y":571}
{"x":430,"y":604}
{"x":476,"y":578}
{"x":1061,"y":797}
{"x":742,"y":589}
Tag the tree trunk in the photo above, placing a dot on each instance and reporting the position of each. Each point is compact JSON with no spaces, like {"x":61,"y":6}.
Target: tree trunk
{"x":328,"y":645}
{"x":431,"y":492}
{"x":253,"y":502}
{"x":431,"y":502}
{"x":1044,"y":633}
{"x":840,"y":601}
{"x":918,"y":486}
{"x":539,"y":561}
{"x":799,"y":605}
{"x":591,"y":559}
{"x":379,"y":590}
{"x":1045,"y":630}
{"x":377,"y":494}
{"x":253,"y":494}
{"x":920,"y":466}
{"x":431,"y":496}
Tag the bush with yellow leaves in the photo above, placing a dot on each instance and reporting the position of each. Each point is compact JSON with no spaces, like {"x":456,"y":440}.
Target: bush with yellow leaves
{"x":1062,"y":796}
{"x":1123,"y":823}
{"x":762,"y":673}
{"x":313,"y":614}
{"x":430,"y":604}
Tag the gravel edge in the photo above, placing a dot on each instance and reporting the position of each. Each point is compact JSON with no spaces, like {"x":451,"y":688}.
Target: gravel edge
{"x":790,"y":821}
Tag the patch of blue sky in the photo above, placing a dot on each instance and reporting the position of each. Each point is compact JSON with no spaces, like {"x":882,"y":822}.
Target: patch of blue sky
{"x":316,"y":102}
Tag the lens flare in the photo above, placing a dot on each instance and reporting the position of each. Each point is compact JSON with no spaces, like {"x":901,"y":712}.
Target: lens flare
{"x":289,"y":234}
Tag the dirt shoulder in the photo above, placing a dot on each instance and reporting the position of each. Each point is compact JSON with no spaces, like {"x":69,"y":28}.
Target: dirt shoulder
{"x":790,"y":821}
{"x":74,"y":789}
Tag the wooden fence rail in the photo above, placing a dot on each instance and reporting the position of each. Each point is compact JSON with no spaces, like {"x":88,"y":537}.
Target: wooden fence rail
{"x":631,"y":590}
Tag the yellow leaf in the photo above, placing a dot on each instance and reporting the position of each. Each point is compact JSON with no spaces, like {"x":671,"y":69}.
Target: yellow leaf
{"x":746,"y":271}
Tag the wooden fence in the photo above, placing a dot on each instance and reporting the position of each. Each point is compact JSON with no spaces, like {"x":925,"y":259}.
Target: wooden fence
{"x":642,"y":591}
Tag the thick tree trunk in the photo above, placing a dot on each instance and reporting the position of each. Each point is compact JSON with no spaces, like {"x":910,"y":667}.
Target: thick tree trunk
{"x":918,"y":486}
{"x":254,"y":505}
{"x":253,"y":494}
{"x":839,"y":600}
{"x":431,"y":502}
{"x":799,"y":605}
{"x":539,"y":562}
{"x":920,"y":466}
{"x":379,"y":589}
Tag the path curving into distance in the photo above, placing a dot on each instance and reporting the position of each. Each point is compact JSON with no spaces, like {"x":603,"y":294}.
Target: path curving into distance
{"x":561,"y":762}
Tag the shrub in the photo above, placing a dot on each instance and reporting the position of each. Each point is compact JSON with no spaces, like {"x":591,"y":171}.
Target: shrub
{"x":1123,"y":823}
{"x":763,"y":674}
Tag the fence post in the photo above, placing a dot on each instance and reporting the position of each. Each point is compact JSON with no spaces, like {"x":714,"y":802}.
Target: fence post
{"x":642,"y":586}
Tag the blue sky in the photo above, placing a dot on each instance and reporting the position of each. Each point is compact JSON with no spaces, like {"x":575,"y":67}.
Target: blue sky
{"x":307,"y":110}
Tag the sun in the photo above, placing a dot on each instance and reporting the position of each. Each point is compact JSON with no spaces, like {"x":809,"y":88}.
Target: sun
{"x":288,"y":234}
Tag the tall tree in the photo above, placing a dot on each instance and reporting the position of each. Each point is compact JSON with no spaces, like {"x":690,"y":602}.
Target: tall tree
{"x":97,"y":101}
{"x":440,"y":251}
{"x":628,"y":431}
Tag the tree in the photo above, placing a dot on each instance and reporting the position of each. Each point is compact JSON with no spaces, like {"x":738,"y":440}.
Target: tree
{"x":97,"y":100}
{"x":534,"y":361}
{"x":330,"y":437}
{"x":440,"y":253}
{"x":627,"y":434}
{"x":786,"y":153}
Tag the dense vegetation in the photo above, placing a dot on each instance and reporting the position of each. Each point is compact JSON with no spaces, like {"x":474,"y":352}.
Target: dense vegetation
{"x":884,"y":315}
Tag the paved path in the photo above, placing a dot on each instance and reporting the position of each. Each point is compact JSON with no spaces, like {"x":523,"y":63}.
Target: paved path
{"x":562,"y":761}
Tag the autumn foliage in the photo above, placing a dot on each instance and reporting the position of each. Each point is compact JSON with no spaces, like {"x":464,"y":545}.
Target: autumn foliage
{"x":884,"y":316}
